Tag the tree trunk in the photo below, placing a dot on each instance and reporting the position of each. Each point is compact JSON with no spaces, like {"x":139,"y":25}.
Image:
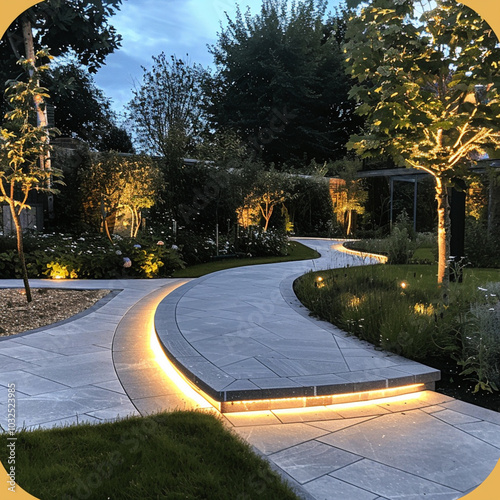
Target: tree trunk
{"x":39,"y":103}
{"x":443,"y":237}
{"x":20,"y":251}
{"x":349,"y":222}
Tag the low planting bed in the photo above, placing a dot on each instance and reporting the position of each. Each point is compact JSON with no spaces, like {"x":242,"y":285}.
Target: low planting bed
{"x":398,"y":308}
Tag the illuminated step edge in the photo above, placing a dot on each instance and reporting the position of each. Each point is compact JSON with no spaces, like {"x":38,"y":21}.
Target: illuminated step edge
{"x":295,"y":397}
{"x":211,"y":382}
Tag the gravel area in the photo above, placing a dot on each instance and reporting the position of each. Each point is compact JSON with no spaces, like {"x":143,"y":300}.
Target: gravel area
{"x":48,"y":306}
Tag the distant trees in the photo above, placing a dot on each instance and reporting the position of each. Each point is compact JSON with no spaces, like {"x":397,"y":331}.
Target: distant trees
{"x":280,"y":82}
{"x":166,"y":108}
{"x":82,"y":111}
{"x":428,"y":84}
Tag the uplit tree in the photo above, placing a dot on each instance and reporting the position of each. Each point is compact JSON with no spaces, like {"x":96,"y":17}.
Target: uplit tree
{"x":350,"y":194}
{"x":23,"y":148}
{"x":428,"y":83}
{"x":112,"y":183}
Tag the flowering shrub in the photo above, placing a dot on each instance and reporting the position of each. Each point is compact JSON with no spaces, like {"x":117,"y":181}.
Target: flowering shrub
{"x":91,"y":256}
{"x":259,"y":243}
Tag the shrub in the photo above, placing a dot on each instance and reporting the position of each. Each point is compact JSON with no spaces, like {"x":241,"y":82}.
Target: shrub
{"x":481,"y":248}
{"x":93,"y":257}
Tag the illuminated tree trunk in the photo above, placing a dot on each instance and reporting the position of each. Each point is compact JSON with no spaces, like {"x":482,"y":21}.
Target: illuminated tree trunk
{"x":349,"y":222}
{"x":38,"y":101}
{"x":20,"y":250}
{"x":443,"y":236}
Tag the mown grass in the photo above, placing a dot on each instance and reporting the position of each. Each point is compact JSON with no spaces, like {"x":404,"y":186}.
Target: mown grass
{"x":178,"y":455}
{"x":297,"y":252}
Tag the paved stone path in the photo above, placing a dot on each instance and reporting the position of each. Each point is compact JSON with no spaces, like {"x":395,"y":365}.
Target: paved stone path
{"x":104,"y":365}
{"x":241,"y":334}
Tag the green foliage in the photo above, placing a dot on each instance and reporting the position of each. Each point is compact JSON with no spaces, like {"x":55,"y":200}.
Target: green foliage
{"x":370,"y":303}
{"x":400,"y":244}
{"x":92,"y":257}
{"x":481,"y":248}
{"x":166,"y":108}
{"x":428,"y":84}
{"x":280,"y":82}
{"x":310,"y":206}
{"x":168,"y":455}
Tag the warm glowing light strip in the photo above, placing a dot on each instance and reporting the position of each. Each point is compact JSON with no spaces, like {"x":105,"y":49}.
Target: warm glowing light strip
{"x":348,"y":400}
{"x":298,"y":404}
{"x":175,"y":376}
{"x":342,"y":248}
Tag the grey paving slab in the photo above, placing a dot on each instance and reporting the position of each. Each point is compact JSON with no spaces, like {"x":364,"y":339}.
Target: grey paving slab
{"x":273,"y":438}
{"x":390,"y":482}
{"x":311,"y":460}
{"x":401,"y":450}
{"x":432,"y":449}
{"x":485,"y":431}
{"x":252,"y":313}
{"x":329,"y":488}
{"x":454,"y":417}
{"x":29,"y":384}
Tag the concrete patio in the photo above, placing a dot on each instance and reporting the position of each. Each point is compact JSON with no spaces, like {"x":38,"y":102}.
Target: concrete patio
{"x":108,"y":364}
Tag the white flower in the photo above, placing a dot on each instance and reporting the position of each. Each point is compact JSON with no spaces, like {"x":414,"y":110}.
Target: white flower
{"x":118,"y":252}
{"x":175,"y":247}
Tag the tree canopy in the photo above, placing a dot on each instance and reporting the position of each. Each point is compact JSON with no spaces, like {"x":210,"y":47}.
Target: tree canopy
{"x":428,"y":85}
{"x":166,"y":108}
{"x":77,"y":27}
{"x":82,"y":110}
{"x":280,"y":82}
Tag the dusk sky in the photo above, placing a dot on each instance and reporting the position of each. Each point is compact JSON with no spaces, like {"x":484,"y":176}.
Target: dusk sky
{"x":150,"y":27}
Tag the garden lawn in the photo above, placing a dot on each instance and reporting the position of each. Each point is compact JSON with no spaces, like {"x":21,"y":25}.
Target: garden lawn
{"x":188,"y":455}
{"x":297,"y":252}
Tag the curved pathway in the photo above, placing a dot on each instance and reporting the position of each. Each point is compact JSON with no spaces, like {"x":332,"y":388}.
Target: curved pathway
{"x":105,"y":365}
{"x":241,"y":335}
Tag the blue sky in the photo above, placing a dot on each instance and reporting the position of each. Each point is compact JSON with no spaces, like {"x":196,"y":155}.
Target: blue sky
{"x":150,"y":27}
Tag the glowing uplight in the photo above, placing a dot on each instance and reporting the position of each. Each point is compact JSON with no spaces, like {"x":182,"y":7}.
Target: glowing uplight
{"x":404,"y":285}
{"x":319,"y":282}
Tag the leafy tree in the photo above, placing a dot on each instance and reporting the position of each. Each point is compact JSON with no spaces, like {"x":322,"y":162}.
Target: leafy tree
{"x":113,"y":182}
{"x":77,"y":27}
{"x":83,"y":111}
{"x":166,"y":108}
{"x":281,"y":84}
{"x":428,"y":84}
{"x":350,"y":195}
{"x":263,"y":190}
{"x":23,"y":147}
